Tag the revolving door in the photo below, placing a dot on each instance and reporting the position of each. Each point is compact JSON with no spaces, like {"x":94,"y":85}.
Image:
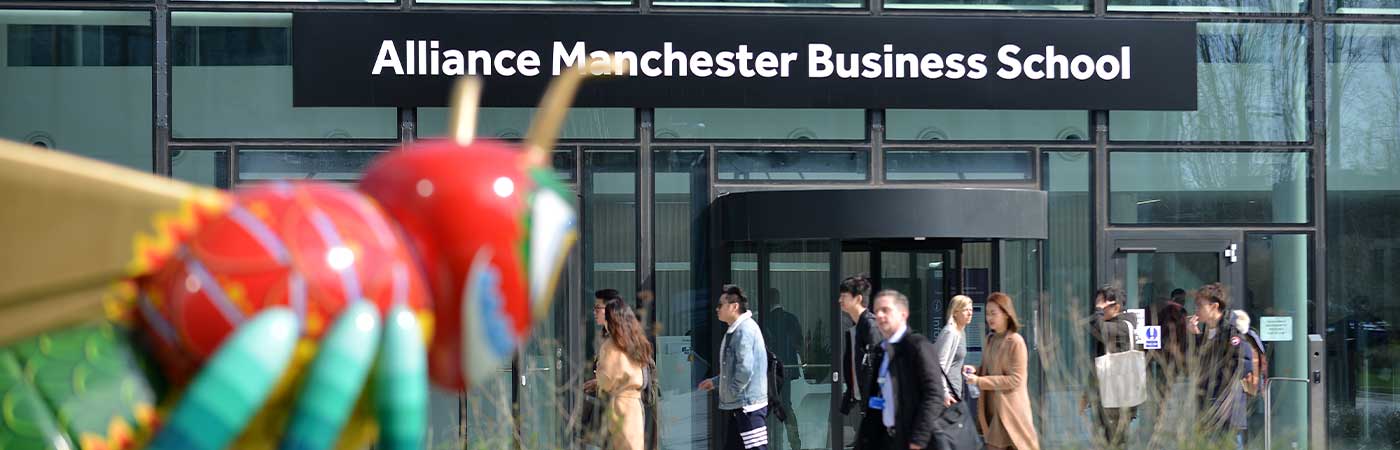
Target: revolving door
{"x":790,"y":253}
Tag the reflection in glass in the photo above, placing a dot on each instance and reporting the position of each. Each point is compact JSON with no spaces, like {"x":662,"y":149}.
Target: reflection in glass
{"x":795,"y":314}
{"x":986,"y":125}
{"x":1362,"y":6}
{"x":1252,"y":86}
{"x":1363,"y":241}
{"x":684,"y":317}
{"x":1208,"y":187}
{"x":544,"y":409}
{"x":232,"y":78}
{"x":514,"y":123}
{"x":79,"y":81}
{"x":796,"y":165}
{"x":1052,"y":5}
{"x":1212,"y":6}
{"x":739,"y":123}
{"x":1278,"y":288}
{"x":927,"y":165}
{"x":1068,"y":273}
{"x":206,"y":167}
{"x":609,"y":224}
{"x":763,"y":3}
{"x":327,"y":165}
{"x":490,"y":423}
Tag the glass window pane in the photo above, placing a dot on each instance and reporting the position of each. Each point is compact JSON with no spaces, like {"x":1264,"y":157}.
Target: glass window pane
{"x":1067,"y":286}
{"x":329,"y":165}
{"x":793,"y":312}
{"x":60,"y":91}
{"x":513,"y":123}
{"x":763,"y":3}
{"x":609,"y":223}
{"x":232,"y":78}
{"x":1252,"y":86}
{"x":794,"y":165}
{"x":1363,"y":239}
{"x":986,"y":125}
{"x":1208,"y":187}
{"x":683,"y":306}
{"x":530,"y":2}
{"x":488,"y":411}
{"x":1211,"y":6}
{"x":206,"y":167}
{"x":995,"y":5}
{"x":1278,"y":288}
{"x":1362,"y":6}
{"x":745,"y":123}
{"x":931,"y":165}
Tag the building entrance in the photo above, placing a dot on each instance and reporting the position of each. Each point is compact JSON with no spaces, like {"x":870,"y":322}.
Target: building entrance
{"x":792,"y":269}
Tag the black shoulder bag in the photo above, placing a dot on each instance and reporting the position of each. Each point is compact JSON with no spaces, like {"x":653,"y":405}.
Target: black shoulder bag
{"x":954,"y":429}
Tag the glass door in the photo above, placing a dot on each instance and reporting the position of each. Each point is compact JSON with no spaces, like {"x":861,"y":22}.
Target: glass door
{"x":1160,"y":271}
{"x":796,"y":308}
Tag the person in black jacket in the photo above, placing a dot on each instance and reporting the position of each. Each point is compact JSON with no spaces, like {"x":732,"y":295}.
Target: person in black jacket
{"x":1224,"y":358}
{"x":1111,"y":330}
{"x":908,"y":391}
{"x":857,"y":365}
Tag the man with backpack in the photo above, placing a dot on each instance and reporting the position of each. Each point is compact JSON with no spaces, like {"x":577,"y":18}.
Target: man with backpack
{"x":1224,"y":360}
{"x":1256,"y":381}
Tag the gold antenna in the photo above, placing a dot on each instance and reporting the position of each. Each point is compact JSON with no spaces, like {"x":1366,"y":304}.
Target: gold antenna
{"x":554,"y":108}
{"x":466,"y":102}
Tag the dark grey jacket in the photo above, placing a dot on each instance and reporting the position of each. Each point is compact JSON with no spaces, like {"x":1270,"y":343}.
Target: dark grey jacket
{"x":859,"y":359}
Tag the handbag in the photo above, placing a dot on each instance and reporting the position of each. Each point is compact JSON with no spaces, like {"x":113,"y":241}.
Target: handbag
{"x":1122,"y":376}
{"x":954,"y":428}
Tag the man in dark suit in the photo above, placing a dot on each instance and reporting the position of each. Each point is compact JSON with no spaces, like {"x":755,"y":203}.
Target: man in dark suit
{"x":908,"y":392}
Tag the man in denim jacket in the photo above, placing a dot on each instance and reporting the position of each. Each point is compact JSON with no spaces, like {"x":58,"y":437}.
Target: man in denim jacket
{"x":743,"y":375}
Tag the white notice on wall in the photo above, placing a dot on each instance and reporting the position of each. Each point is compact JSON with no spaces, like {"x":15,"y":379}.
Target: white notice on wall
{"x":1139,"y":324}
{"x":1276,"y":328}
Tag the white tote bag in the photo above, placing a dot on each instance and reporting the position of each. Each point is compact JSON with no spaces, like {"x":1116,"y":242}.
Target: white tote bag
{"x":1123,"y":376}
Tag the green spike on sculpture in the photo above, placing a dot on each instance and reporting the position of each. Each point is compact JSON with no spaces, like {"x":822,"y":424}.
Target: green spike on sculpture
{"x":401,"y":383}
{"x":233,"y":385}
{"x":336,"y":379}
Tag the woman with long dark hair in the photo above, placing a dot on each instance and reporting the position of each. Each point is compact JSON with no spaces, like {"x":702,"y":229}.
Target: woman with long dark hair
{"x":1004,"y":409}
{"x":624,"y":359}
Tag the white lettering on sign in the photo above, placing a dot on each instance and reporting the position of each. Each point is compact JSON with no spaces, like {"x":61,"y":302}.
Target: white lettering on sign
{"x":1152,"y":338}
{"x":1276,"y":328}
{"x":425,"y":57}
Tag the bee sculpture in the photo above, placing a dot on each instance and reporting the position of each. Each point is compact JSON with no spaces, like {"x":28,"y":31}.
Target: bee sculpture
{"x":138,"y":311}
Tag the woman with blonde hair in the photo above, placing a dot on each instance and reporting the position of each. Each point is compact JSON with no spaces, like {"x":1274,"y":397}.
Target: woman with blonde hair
{"x":1004,"y":409}
{"x":951,"y":347}
{"x":623,"y":362}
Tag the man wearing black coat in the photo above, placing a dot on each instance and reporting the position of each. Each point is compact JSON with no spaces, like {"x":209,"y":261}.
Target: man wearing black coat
{"x":857,"y":363}
{"x":907,"y":395}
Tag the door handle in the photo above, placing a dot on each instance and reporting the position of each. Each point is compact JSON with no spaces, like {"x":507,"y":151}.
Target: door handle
{"x":1137,"y":249}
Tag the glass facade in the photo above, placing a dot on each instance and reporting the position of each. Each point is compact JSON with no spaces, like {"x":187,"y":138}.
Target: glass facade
{"x":1293,"y":155}
{"x":1363,"y":250}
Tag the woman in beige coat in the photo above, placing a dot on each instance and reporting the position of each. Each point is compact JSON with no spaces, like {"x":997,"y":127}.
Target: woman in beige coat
{"x":1004,"y":409}
{"x":623,"y":360}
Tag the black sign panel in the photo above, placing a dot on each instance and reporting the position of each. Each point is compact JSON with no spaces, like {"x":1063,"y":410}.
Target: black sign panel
{"x":665,"y":60}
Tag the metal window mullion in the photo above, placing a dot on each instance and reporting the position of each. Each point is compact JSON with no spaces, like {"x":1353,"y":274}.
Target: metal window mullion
{"x":408,"y":124}
{"x":160,"y":80}
{"x":1317,"y":83}
{"x":877,"y":140}
{"x":1098,"y":196}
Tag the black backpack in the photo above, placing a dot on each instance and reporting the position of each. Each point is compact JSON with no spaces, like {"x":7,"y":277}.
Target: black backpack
{"x":775,"y":387}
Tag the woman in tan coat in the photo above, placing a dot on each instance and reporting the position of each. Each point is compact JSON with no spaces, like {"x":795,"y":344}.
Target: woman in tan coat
{"x":1004,"y":409}
{"x":623,"y":360}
